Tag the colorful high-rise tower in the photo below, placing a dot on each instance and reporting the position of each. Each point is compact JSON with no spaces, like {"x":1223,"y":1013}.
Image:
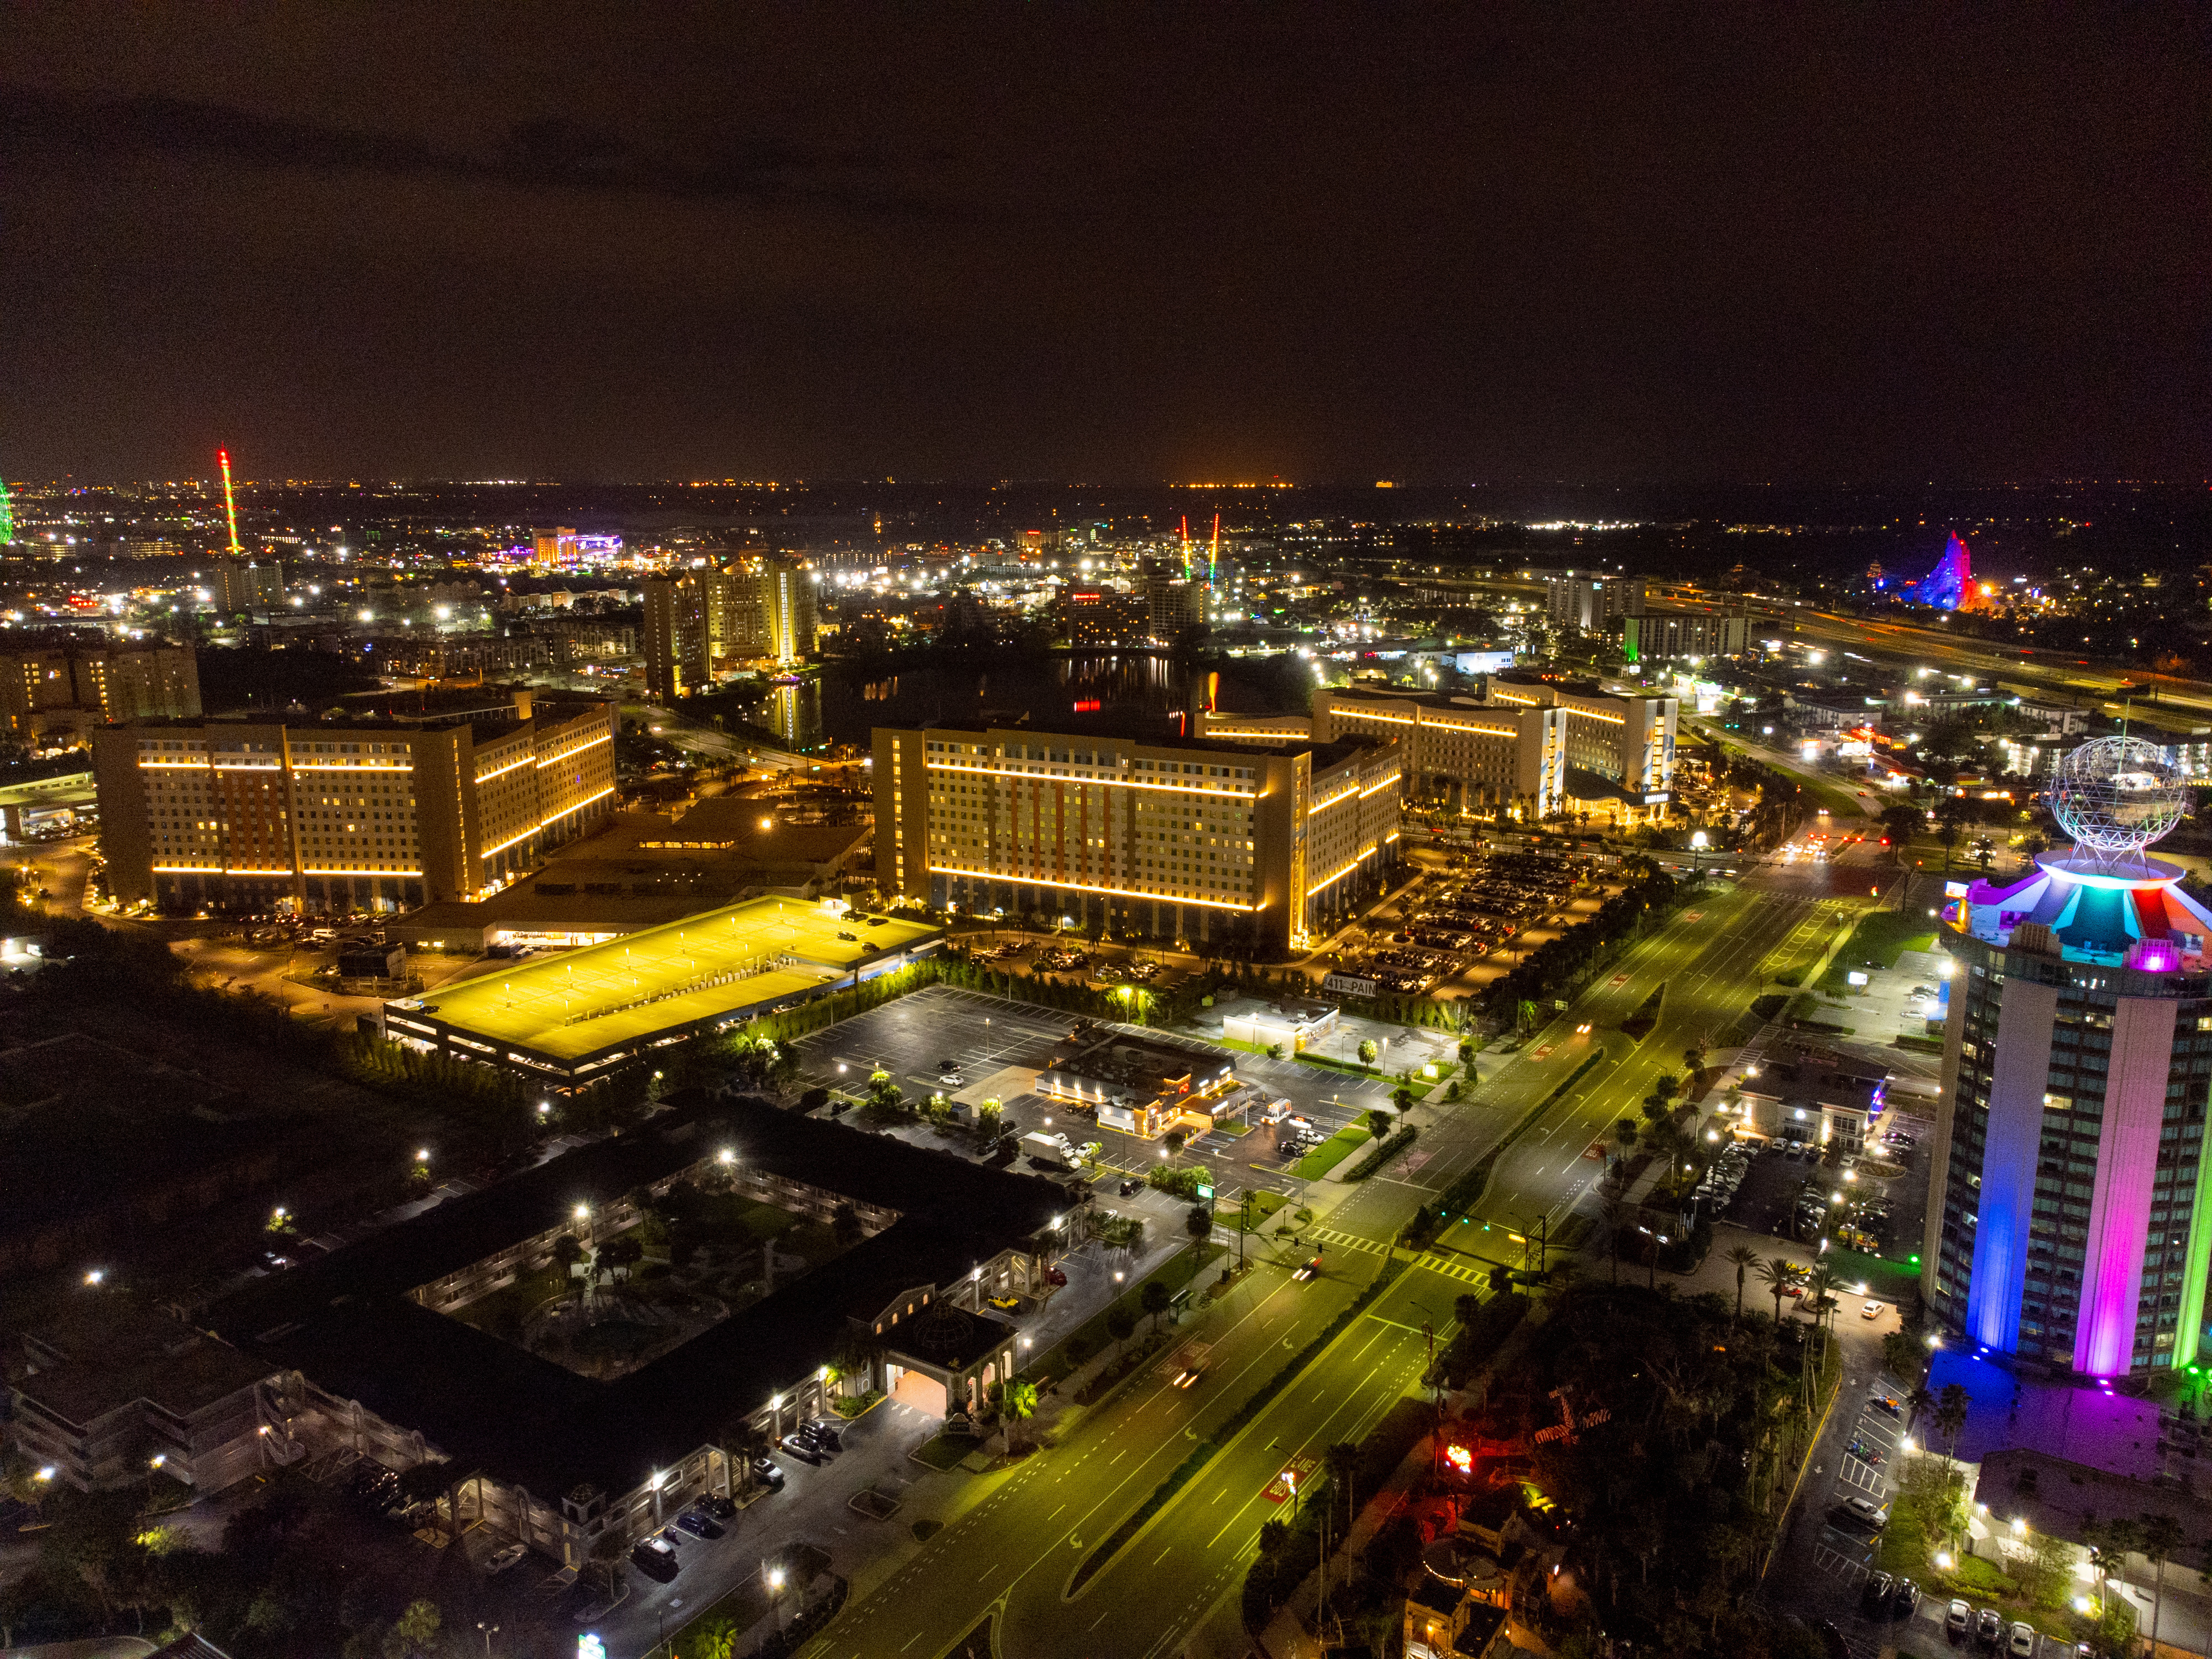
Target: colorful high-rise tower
{"x":7,"y":515}
{"x":2073,"y":1222}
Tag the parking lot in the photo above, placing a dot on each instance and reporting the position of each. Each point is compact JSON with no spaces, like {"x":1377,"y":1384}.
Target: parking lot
{"x":1464,"y":925}
{"x":1792,"y":1195}
{"x":997,"y":1047}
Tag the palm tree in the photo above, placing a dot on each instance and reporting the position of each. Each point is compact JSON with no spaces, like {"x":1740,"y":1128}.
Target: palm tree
{"x":2161,"y":1535}
{"x":718,"y":1640}
{"x":1017,"y":1403}
{"x":1342,"y":1459}
{"x":1950,"y":1416}
{"x":1820,"y":1286}
{"x":1919,"y":1402}
{"x":1745,"y":1258}
{"x":1778,"y":1274}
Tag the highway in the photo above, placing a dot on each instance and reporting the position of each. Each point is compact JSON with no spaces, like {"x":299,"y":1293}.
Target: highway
{"x":1012,"y":1555}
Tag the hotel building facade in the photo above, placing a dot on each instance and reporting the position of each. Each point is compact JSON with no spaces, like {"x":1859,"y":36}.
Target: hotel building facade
{"x":1194,"y":840}
{"x":2071,"y":1225}
{"x":380,"y":816}
{"x":1478,"y":756}
{"x":708,"y":621}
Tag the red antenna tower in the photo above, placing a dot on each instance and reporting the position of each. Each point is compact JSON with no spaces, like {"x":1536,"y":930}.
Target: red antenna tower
{"x":230,"y":506}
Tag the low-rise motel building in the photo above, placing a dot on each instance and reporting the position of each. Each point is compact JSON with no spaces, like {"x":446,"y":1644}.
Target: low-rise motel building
{"x":1192,"y":839}
{"x":437,"y":1340}
{"x":568,"y":1020}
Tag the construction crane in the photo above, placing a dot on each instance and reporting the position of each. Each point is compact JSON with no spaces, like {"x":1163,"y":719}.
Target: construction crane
{"x":229,"y":505}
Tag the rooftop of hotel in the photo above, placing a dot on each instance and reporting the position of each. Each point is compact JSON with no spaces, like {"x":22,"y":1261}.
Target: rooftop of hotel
{"x":1126,"y":737}
{"x":345,"y":1320}
{"x":2133,"y":913}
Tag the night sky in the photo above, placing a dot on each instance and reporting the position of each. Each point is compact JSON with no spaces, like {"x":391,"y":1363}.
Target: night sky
{"x":1106,"y":243}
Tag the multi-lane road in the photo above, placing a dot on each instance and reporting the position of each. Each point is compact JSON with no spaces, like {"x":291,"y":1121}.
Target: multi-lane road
{"x":1012,"y":1555}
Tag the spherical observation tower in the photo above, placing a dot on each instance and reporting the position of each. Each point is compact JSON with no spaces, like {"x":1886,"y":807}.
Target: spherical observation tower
{"x":2115,"y":796}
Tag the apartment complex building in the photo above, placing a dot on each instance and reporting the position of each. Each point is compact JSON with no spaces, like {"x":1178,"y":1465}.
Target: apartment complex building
{"x":1588,"y":603}
{"x":64,"y":689}
{"x":1479,"y":757}
{"x":1188,"y":839}
{"x":376,"y":815}
{"x":710,"y":620}
{"x":1654,"y":634}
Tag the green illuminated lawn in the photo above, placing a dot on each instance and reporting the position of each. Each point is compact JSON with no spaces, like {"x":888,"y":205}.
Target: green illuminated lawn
{"x":581,"y":1002}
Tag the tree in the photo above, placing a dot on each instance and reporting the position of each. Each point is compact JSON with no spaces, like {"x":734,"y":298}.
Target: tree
{"x":1778,"y":1274}
{"x":1367,"y":1051}
{"x":1274,"y":1538}
{"x":1199,"y":1222}
{"x":1154,"y":1299}
{"x":1501,"y":1279}
{"x":416,"y":1631}
{"x":1951,"y":1416}
{"x":567,"y":1253}
{"x":621,"y":1254}
{"x":1017,"y":1404}
{"x":845,"y":1226}
{"x":1120,"y":1325}
{"x":717,"y":1640}
{"x":885,"y":1094}
{"x":1379,"y":1122}
{"x":1342,"y":1461}
{"x":1953,"y":813}
{"x":1745,"y":1258}
{"x":1919,"y":1402}
{"x":1624,"y":1131}
{"x":987,"y":1116}
{"x":2161,"y":1535}
{"x":1899,"y":824}
{"x":1665,"y":1087}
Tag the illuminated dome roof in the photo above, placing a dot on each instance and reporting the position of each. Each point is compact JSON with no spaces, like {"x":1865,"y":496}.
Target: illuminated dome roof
{"x":2116,"y":795}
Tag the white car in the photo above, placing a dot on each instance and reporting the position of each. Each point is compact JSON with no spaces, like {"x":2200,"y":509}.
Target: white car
{"x":1871,"y":1310}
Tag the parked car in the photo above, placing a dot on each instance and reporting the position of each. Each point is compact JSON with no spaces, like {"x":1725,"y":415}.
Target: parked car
{"x":1876,"y":1590}
{"x":1904,"y":1599}
{"x":1871,"y":1310}
{"x":1989,"y":1628}
{"x":655,"y":1558}
{"x":722,"y":1507}
{"x":1958,"y":1619}
{"x":767,"y":1473}
{"x":1858,"y":1512}
{"x":699,"y":1524}
{"x":825,"y":1435}
{"x":1005,"y":1303}
{"x":2020,"y":1644}
{"x":1055,"y":1277}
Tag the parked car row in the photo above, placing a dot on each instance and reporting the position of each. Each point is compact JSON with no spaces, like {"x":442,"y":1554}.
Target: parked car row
{"x":658,"y":1557}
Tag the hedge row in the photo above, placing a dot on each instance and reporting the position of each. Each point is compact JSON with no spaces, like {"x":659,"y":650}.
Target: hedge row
{"x":1382,"y":1154}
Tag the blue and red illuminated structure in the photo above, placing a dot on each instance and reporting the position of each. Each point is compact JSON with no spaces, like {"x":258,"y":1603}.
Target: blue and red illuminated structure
{"x":1948,"y":587}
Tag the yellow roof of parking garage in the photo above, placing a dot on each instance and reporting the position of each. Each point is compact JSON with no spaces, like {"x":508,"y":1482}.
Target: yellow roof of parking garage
{"x":721,"y":961}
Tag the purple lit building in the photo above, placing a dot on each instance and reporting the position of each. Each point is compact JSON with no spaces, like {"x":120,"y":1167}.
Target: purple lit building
{"x":2073,"y":1226}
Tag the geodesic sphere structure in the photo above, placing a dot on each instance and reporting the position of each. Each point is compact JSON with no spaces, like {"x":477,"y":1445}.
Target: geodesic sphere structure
{"x":2116,"y":795}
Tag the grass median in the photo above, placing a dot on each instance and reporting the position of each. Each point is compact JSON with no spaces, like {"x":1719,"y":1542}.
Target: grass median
{"x":1333,"y":1151}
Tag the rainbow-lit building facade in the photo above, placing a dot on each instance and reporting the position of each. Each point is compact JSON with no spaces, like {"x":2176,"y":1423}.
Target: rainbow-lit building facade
{"x":2072,"y":1226}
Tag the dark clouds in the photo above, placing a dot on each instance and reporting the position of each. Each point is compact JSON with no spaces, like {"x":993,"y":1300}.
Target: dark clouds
{"x":1105,"y":243}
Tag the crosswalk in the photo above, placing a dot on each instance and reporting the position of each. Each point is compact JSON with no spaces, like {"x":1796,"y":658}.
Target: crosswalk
{"x":1447,"y":1267}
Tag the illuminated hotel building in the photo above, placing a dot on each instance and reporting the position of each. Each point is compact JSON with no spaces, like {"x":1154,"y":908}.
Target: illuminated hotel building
{"x":1197,"y":840}
{"x":2072,"y":1225}
{"x":376,"y":815}
{"x":1479,"y":757}
{"x":703,"y":623}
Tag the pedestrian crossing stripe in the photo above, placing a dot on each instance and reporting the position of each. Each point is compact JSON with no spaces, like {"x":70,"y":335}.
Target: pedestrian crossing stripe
{"x":1345,"y":1241}
{"x":1436,"y":1264}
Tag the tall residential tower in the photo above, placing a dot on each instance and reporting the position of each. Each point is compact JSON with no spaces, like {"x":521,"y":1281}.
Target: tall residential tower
{"x":2072,"y":1226}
